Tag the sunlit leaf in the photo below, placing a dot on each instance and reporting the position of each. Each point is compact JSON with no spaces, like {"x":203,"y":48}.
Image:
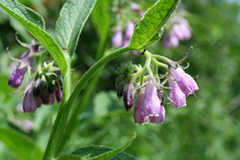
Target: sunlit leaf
{"x":149,"y":28}
{"x":73,"y":16}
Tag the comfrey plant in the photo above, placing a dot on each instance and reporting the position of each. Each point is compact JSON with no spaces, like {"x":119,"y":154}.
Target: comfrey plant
{"x":147,"y":91}
{"x":50,"y":79}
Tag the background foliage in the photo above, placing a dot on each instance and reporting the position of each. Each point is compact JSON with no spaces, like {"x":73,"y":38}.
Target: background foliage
{"x":206,"y":129}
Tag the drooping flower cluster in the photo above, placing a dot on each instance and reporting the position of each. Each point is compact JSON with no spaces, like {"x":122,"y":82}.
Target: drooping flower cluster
{"x":121,"y":38}
{"x":124,"y":30}
{"x":179,"y":30}
{"x":44,"y":87}
{"x":146,"y":92}
{"x":149,"y":106}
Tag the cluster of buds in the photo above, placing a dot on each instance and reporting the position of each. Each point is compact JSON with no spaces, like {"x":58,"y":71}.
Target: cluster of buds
{"x":44,"y":87}
{"x":146,"y":92}
{"x":179,"y":29}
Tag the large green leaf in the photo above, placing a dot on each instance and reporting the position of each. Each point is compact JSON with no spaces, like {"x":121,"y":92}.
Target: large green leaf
{"x":101,"y":21}
{"x":73,"y":16}
{"x":100,"y":153}
{"x":23,"y":147}
{"x":149,"y":28}
{"x":34,"y":23}
{"x":101,"y":17}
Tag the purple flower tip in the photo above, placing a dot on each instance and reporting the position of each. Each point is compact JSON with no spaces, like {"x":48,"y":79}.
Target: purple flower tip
{"x":16,"y":77}
{"x":128,"y":97}
{"x":31,"y":103}
{"x":58,"y":95}
{"x":25,"y":55}
{"x":117,"y":39}
{"x":135,"y":7}
{"x":47,"y":99}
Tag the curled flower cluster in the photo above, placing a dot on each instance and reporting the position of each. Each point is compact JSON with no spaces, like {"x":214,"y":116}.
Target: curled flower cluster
{"x":44,"y":87}
{"x":146,"y":92}
{"x":43,"y":90}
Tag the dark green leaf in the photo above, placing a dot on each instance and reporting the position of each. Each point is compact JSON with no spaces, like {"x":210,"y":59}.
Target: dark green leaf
{"x":100,"y":153}
{"x":23,"y":147}
{"x":100,"y":14}
{"x":148,"y":29}
{"x":73,"y":16}
{"x":34,"y":23}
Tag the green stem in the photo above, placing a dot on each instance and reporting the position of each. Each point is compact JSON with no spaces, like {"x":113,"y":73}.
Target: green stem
{"x":61,"y":119}
{"x":155,"y":62}
{"x":164,"y":59}
{"x":62,"y":116}
{"x":79,"y":107}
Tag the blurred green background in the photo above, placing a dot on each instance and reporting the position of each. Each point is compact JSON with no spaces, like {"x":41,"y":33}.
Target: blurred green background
{"x":208,"y":128}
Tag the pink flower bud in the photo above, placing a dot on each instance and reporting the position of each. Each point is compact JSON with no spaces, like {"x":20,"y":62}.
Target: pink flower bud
{"x":178,"y":98}
{"x":16,"y":77}
{"x":58,"y":95}
{"x":117,"y":39}
{"x":170,"y":40}
{"x":128,"y":96}
{"x":182,"y":30}
{"x":129,"y":30}
{"x":185,"y":82}
{"x":135,"y":7}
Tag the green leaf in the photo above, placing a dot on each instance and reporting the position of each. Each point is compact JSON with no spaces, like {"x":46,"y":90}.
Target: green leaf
{"x":34,"y":23}
{"x":23,"y":147}
{"x":100,"y":153}
{"x":149,"y":28}
{"x":24,"y":12}
{"x":100,"y":14}
{"x":73,"y":16}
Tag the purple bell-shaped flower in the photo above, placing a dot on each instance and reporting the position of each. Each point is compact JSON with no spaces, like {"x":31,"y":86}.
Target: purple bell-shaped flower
{"x":17,"y":76}
{"x":58,"y":95}
{"x":31,"y":103}
{"x":185,"y":82}
{"x":177,"y":97}
{"x":148,"y":106}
